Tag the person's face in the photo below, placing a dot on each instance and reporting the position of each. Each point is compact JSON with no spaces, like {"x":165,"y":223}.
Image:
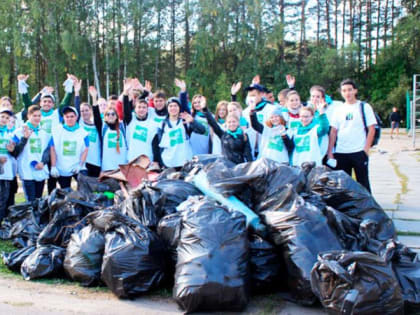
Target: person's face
{"x":281,"y":99}
{"x":173,"y":109}
{"x":305,"y":117}
{"x":257,"y":95}
{"x":196,"y":103}
{"x":270,"y":97}
{"x":275,"y":120}
{"x":102,"y":105}
{"x":348,"y":92}
{"x":46,"y":104}
{"x":4,"y":119}
{"x":394,"y":109}
{"x":232,"y":123}
{"x":293,"y":102}
{"x":222,"y":112}
{"x":70,"y":119}
{"x":110,"y":116}
{"x":35,"y":118}
{"x":316,"y":97}
{"x":159,"y":103}
{"x":7,"y":104}
{"x":11,"y":123}
{"x":232,"y":109}
{"x":112,"y":103}
{"x":141,"y":109}
{"x":86,"y":113}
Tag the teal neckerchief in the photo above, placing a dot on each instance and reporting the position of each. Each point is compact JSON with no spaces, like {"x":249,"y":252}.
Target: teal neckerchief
{"x":46,"y":114}
{"x":102,"y":115}
{"x":261,"y":104}
{"x":221,"y":121}
{"x":243,"y":122}
{"x":200,"y":114}
{"x":33,"y":128}
{"x":11,"y":129}
{"x":305,"y":129}
{"x":3,"y":129}
{"x":71,"y":129}
{"x":235,"y":133}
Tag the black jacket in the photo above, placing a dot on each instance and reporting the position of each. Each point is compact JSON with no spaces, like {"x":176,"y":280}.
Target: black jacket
{"x":237,"y":150}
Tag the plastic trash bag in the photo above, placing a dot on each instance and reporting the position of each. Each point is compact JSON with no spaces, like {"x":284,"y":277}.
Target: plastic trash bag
{"x":65,"y":221}
{"x":169,"y":230}
{"x":346,"y":195}
{"x":88,"y":185}
{"x":356,"y":283}
{"x":173,"y":192}
{"x":133,"y":262}
{"x":45,"y":261}
{"x":14,"y":260}
{"x":212,"y":268}
{"x":83,"y":258}
{"x":265,"y":265}
{"x":301,"y":233}
{"x":143,"y":205}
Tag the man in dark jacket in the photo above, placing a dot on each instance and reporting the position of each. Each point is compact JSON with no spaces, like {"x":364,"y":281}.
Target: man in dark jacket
{"x":395,"y":119}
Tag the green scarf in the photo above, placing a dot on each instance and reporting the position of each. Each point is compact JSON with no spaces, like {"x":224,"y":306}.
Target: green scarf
{"x":235,"y":133}
{"x":71,"y":129}
{"x":33,"y":128}
{"x":46,"y":114}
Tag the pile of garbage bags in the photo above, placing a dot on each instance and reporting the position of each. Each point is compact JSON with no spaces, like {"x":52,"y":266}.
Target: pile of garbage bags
{"x":219,"y":233}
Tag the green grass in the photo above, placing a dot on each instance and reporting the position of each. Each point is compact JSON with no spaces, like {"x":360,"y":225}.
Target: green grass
{"x":403,"y":180}
{"x":402,"y":233}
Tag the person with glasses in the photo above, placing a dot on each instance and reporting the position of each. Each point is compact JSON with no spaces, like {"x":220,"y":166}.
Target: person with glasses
{"x":112,"y":134}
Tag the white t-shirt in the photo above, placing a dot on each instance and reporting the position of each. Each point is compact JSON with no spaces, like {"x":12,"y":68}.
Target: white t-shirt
{"x":351,"y":134}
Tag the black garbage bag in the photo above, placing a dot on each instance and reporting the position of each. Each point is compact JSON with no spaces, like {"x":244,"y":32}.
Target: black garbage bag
{"x":133,"y":262}
{"x":173,"y":192}
{"x":282,"y":199}
{"x":108,"y":219}
{"x":301,"y":234}
{"x":406,"y":265}
{"x":346,"y":228}
{"x":25,"y":226}
{"x":57,"y":199}
{"x":14,"y":260}
{"x":356,"y":283}
{"x":45,"y":261}
{"x":199,"y":161}
{"x":83,"y":258}
{"x":169,"y":230}
{"x":65,"y":221}
{"x":346,"y":195}
{"x":89,"y":185}
{"x":265,"y":265}
{"x":144,"y":205}
{"x":212,"y":268}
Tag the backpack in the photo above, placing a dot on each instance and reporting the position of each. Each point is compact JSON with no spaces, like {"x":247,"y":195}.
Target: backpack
{"x":377,"y":126}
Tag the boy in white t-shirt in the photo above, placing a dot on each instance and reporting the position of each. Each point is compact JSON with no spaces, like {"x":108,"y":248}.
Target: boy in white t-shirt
{"x":349,"y":136}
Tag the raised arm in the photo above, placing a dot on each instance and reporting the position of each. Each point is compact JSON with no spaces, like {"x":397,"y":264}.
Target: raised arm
{"x":127,"y":105}
{"x":183,"y":95}
{"x":96,"y":113}
{"x":213,"y":124}
{"x":256,"y":125}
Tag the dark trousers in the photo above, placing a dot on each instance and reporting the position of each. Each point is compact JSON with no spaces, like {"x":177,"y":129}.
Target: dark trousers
{"x":13,"y":191}
{"x":93,"y":170}
{"x":4,"y":197}
{"x":33,"y":189}
{"x":65,"y":181}
{"x":52,"y":184}
{"x":358,"y":161}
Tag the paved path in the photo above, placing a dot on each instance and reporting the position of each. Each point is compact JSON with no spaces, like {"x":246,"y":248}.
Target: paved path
{"x":395,"y":180}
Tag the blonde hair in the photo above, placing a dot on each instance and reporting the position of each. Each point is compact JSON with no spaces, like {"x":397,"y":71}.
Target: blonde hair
{"x":308,"y":109}
{"x":291,"y":93}
{"x":218,"y":107}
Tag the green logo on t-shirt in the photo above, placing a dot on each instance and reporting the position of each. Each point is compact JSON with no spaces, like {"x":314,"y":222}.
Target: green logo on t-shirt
{"x":206,"y":125}
{"x":303,"y":144}
{"x":3,"y":144}
{"x":46,"y":125}
{"x":140,"y":133}
{"x":112,"y":140}
{"x":69,"y":148}
{"x":175,"y":137}
{"x":159,"y":119}
{"x":276,"y":143}
{"x":260,"y":117}
{"x":35,"y":145}
{"x":294,"y":124}
{"x":92,"y":133}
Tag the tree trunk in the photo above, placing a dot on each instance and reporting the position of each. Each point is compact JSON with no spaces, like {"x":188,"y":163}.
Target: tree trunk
{"x":385,"y":23}
{"x":318,"y":21}
{"x":173,"y":65}
{"x":344,"y":24}
{"x":378,"y":28}
{"x":327,"y":17}
{"x":187,"y":37}
{"x":336,"y":23}
{"x":157,"y":59}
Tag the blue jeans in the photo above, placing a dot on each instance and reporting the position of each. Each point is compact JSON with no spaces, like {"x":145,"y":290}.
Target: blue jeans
{"x":33,"y":189}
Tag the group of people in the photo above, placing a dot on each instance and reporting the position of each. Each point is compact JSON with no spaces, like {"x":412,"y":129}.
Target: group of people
{"x":48,"y":143}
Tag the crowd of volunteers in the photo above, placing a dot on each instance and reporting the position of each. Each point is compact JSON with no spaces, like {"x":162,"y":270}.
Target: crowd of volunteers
{"x":53,"y":142}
